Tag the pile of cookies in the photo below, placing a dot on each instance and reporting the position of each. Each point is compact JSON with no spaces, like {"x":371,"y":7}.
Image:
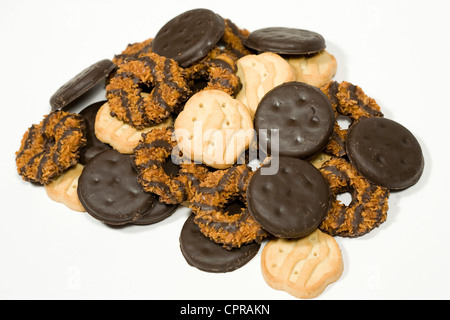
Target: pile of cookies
{"x":185,"y":115}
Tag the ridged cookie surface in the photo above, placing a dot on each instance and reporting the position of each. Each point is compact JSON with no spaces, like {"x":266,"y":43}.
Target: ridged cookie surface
{"x":302,"y":267}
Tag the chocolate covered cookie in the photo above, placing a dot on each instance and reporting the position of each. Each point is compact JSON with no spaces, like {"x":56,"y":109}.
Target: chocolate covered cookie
{"x":290,"y":203}
{"x":303,"y":116}
{"x":156,"y":214}
{"x":109,"y":191}
{"x":93,"y":145}
{"x":206,"y":255}
{"x":385,"y":152}
{"x":283,"y":40}
{"x":188,"y":37}
{"x":81,"y":83}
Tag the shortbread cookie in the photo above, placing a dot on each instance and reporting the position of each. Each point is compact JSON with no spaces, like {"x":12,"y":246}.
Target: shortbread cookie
{"x":259,"y":74}
{"x":121,"y":136}
{"x":63,"y":189}
{"x":214,"y":129}
{"x":316,"y":70}
{"x":302,"y":267}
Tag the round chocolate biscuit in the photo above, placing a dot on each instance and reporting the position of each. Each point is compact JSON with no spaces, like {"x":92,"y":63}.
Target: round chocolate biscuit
{"x":109,"y":191}
{"x":81,"y":83}
{"x":93,"y":145}
{"x":206,"y":255}
{"x":156,"y":214}
{"x":283,"y":40}
{"x":385,"y":152}
{"x":188,"y":37}
{"x":303,"y":116}
{"x":290,"y":203}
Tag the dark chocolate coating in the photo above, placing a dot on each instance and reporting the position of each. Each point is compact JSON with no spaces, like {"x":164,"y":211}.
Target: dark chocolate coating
{"x":156,"y":214}
{"x":188,"y":37}
{"x":285,"y":41}
{"x":385,"y":153}
{"x":291,"y":203}
{"x":206,"y":255}
{"x":109,"y":191}
{"x":303,"y":115}
{"x":93,"y":145}
{"x":81,"y":83}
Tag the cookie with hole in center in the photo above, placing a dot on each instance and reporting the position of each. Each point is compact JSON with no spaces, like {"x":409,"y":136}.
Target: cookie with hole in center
{"x":291,"y":202}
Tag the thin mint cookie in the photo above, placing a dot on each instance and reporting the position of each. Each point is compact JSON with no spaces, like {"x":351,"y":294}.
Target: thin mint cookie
{"x":302,"y":114}
{"x":109,"y":191}
{"x":206,"y":255}
{"x":290,"y":203}
{"x":385,"y":152}
{"x":283,"y":40}
{"x":188,"y":37}
{"x":93,"y":145}
{"x":81,"y":83}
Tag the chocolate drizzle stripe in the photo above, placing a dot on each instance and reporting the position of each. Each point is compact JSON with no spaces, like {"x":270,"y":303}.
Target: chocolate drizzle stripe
{"x":333,"y":90}
{"x":28,"y":140}
{"x":42,"y":163}
{"x":125,"y":103}
{"x":361,"y":104}
{"x":31,"y":161}
{"x":336,"y":172}
{"x":219,"y":63}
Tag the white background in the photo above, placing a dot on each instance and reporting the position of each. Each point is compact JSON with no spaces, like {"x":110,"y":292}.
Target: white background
{"x":397,"y":51}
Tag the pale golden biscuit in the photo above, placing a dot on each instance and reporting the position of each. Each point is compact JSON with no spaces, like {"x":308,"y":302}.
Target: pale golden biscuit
{"x":320,"y":159}
{"x":259,"y":74}
{"x":214,"y":129}
{"x":302,"y":267}
{"x":63,"y":189}
{"x":315,"y":70}
{"x":119,"y":135}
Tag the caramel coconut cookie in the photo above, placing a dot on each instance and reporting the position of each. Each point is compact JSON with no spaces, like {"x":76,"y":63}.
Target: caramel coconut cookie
{"x":366,"y":211}
{"x":133,"y":51}
{"x":220,"y":207}
{"x":124,"y":91}
{"x":218,"y":72}
{"x":350,"y":101}
{"x":51,"y":147}
{"x":150,"y":157}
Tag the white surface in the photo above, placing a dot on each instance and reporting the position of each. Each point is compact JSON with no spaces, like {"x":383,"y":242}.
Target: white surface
{"x":397,"y":51}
